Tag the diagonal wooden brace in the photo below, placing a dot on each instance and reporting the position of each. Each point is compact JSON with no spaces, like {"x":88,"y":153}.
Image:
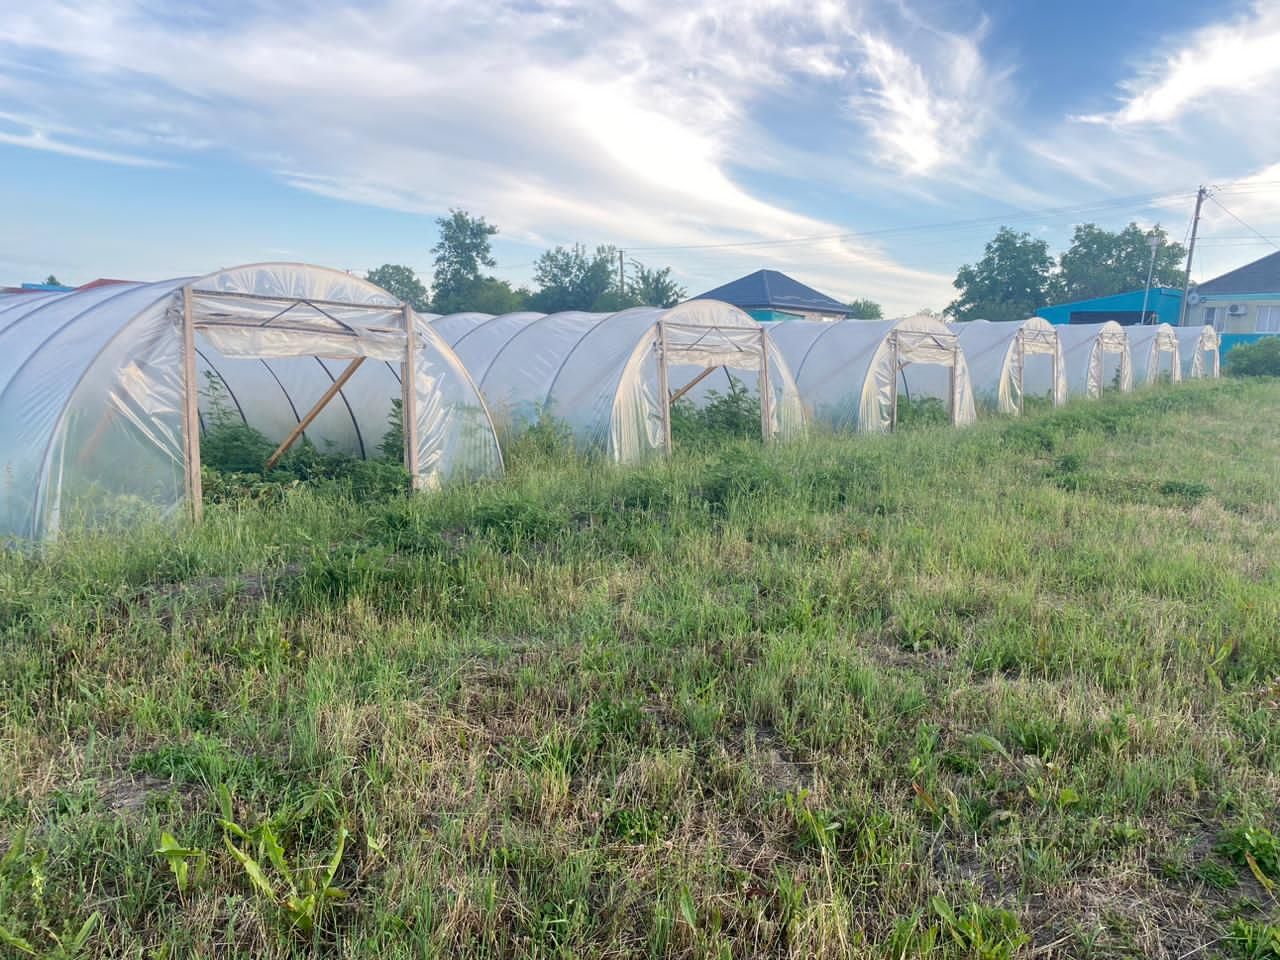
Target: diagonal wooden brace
{"x":314,"y":412}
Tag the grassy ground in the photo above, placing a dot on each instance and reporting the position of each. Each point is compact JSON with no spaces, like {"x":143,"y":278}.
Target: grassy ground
{"x":1008,"y":691}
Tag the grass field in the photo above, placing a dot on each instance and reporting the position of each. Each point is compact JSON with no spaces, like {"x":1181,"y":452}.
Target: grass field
{"x":1001,"y":692}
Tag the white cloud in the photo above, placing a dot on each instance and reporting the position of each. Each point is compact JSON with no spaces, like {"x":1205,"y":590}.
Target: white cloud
{"x":1216,"y":64}
{"x":39,"y":140}
{"x":923,"y":123}
{"x":627,"y":121}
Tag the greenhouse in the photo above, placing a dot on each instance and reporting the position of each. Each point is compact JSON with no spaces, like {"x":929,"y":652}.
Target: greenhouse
{"x":1010,"y":361}
{"x":852,"y":374}
{"x":1153,"y":348}
{"x":103,"y":390}
{"x":1198,"y":352}
{"x":1096,"y":356}
{"x":611,"y":378}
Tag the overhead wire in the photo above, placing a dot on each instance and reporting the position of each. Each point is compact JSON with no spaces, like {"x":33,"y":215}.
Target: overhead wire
{"x":1255,"y":232}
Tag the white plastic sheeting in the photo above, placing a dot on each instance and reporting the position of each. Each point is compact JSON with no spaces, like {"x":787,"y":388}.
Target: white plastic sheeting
{"x":1096,"y":357}
{"x":1154,"y":349}
{"x":601,"y":374}
{"x":1012,"y":360}
{"x":93,"y":391}
{"x":1198,"y":352}
{"x":851,"y":372}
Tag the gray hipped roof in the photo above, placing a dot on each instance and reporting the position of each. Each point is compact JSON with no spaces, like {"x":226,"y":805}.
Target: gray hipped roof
{"x":771,"y":289}
{"x":1261,"y":276}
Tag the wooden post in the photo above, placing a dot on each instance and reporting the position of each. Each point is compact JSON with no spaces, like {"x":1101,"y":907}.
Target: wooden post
{"x":664,"y":387}
{"x":1055,"y":370}
{"x":954,"y":382}
{"x":409,"y":398}
{"x":314,"y":412}
{"x":1022,"y":369}
{"x":191,"y":411}
{"x":893,"y":384}
{"x":766,"y":391}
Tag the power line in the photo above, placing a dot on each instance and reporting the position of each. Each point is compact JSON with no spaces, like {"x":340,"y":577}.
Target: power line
{"x":1256,"y":233}
{"x":1140,"y":200}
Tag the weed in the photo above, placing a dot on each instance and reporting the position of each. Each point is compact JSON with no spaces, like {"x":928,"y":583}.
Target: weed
{"x":1254,"y":940}
{"x":984,"y":933}
{"x":301,"y":893}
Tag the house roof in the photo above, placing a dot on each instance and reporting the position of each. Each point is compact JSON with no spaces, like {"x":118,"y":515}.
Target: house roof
{"x":1261,"y":276}
{"x":769,"y":288}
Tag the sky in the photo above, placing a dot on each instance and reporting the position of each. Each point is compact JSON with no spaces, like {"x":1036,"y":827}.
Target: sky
{"x":867,"y":148}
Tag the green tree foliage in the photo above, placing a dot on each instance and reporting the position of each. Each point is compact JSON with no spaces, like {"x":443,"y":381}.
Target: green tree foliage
{"x":1013,"y":279}
{"x":1259,"y":359}
{"x":462,"y":250}
{"x":571,"y":278}
{"x":1100,"y":263}
{"x":653,"y":288}
{"x":864,"y":309}
{"x":574,"y":278}
{"x":52,"y":281}
{"x":491,"y":295}
{"x":402,"y":283}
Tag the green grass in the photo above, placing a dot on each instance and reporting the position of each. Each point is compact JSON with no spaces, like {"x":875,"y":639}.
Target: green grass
{"x":974,"y":693}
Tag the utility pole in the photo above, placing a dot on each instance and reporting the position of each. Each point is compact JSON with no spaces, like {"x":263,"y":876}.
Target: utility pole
{"x":622,"y":279}
{"x":1191,"y":249}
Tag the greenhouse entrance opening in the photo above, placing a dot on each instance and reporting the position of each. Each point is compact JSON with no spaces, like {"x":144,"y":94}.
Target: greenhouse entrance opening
{"x":257,"y":326}
{"x":928,"y":348}
{"x":682,"y":348}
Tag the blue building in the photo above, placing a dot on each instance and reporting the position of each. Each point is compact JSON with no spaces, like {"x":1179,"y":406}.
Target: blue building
{"x":1243,"y":305}
{"x":1164,"y":305}
{"x":771,"y":296}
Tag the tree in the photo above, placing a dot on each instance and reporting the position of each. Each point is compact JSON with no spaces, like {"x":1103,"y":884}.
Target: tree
{"x":654,"y":288}
{"x":462,"y":250}
{"x":402,"y":283}
{"x":569,"y":278}
{"x":51,"y":281}
{"x":490,"y":295}
{"x":864,"y":309}
{"x":1100,"y":263}
{"x":1013,"y":279}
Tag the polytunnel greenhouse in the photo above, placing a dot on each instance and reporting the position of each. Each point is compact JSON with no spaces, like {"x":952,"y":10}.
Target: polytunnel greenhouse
{"x":103,"y":390}
{"x":1154,"y":350}
{"x":852,"y":373}
{"x":1011,"y":361}
{"x":1198,"y":352}
{"x":1096,"y":356}
{"x":611,"y":378}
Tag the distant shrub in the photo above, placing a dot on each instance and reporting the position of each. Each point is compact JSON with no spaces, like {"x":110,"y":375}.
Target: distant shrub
{"x":1260,"y":359}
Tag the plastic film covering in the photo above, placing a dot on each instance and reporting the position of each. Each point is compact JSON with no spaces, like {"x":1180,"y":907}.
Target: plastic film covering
{"x":92,"y":387}
{"x":1096,"y":357}
{"x":1012,"y":360}
{"x":598,"y":373}
{"x":1154,"y":349}
{"x":850,"y":372}
{"x":1197,"y":351}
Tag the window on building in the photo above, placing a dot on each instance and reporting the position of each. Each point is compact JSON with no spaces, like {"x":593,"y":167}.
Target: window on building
{"x":1213,"y":317}
{"x":1268,"y":320}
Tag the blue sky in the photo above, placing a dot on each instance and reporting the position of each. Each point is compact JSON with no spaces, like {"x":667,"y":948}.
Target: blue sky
{"x":146,"y":139}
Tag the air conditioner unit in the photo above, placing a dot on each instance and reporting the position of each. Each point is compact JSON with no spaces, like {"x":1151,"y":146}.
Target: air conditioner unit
{"x":1237,"y":310}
